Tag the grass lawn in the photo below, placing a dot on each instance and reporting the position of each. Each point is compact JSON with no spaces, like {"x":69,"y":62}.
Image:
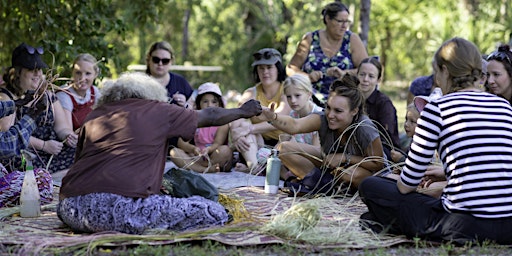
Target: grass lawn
{"x":207,"y":248}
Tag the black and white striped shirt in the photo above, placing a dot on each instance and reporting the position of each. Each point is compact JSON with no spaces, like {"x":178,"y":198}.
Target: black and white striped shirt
{"x":472,"y":132}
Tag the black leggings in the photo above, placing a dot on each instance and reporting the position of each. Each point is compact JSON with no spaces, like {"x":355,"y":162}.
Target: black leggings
{"x":419,"y":215}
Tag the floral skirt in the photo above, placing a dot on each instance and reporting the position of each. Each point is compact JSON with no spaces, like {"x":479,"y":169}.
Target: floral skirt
{"x":97,"y":212}
{"x":11,"y":184}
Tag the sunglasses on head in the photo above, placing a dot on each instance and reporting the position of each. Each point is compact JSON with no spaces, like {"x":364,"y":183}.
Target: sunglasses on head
{"x":32,"y":50}
{"x":499,"y":55}
{"x":157,"y":60}
{"x":265,"y":55}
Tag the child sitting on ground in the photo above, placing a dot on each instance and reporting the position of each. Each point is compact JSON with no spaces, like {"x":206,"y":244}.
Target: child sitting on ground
{"x":428,"y":185}
{"x":208,"y":152}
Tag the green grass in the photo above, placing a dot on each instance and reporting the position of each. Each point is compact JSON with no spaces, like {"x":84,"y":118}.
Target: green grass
{"x":207,"y":248}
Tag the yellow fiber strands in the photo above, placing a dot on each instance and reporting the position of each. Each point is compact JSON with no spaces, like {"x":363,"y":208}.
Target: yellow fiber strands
{"x":235,"y":207}
{"x":294,"y":221}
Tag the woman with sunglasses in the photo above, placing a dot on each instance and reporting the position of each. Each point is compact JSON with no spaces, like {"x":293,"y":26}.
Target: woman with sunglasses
{"x":472,"y":132}
{"x":248,"y":137}
{"x":53,"y":141}
{"x":327,"y":54}
{"x":78,"y":98}
{"x":158,"y":60}
{"x":499,"y":72}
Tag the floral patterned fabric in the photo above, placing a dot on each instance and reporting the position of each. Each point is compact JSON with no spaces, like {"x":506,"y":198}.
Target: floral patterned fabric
{"x":318,"y":61}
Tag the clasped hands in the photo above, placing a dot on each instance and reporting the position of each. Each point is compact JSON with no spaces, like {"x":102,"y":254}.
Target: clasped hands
{"x":314,"y":76}
{"x":434,"y":173}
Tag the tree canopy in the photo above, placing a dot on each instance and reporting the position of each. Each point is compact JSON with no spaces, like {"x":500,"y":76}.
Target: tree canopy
{"x":225,"y":33}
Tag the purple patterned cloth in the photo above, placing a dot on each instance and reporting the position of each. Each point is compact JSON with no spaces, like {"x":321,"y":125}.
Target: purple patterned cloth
{"x":97,"y":212}
{"x":11,"y":184}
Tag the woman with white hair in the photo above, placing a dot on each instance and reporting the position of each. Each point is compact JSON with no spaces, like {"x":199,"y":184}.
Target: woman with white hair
{"x":115,"y":181}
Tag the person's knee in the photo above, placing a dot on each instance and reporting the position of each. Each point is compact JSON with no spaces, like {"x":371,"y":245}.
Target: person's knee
{"x":284,"y":146}
{"x":367,"y":184}
{"x":224,"y":152}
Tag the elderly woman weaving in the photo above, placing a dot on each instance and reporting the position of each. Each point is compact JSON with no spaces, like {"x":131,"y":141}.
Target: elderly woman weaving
{"x":115,"y":181}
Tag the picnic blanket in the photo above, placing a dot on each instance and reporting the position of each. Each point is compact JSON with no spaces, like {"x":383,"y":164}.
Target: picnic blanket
{"x":337,"y":228}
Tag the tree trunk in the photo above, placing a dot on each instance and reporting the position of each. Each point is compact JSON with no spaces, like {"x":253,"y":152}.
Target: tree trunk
{"x":364,"y":19}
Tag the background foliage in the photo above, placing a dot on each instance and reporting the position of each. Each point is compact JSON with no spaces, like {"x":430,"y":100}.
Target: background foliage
{"x":225,"y":33}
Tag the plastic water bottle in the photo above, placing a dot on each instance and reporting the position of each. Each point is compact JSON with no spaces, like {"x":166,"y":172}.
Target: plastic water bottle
{"x":273,"y":173}
{"x":30,"y":199}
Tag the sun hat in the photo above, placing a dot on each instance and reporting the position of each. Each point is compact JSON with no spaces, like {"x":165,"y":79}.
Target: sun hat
{"x":209,"y":87}
{"x":266,"y":56}
{"x":421,"y":101}
{"x":28,"y":57}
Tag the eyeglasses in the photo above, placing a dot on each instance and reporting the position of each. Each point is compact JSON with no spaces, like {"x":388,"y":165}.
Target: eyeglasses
{"x":265,"y":55}
{"x":157,"y":60}
{"x":342,"y":21}
{"x":32,"y":50}
{"x":499,"y":55}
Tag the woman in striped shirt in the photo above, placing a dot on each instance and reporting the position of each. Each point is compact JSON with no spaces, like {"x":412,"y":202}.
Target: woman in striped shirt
{"x":472,"y":131}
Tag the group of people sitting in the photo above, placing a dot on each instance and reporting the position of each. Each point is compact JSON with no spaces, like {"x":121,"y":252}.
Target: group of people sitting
{"x":321,"y":116}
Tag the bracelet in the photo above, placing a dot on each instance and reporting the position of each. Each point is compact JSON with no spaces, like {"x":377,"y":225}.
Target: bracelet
{"x":44,"y":143}
{"x":347,"y":162}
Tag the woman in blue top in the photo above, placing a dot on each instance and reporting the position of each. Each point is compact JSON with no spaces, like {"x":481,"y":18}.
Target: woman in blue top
{"x":327,"y":54}
{"x":160,"y":57}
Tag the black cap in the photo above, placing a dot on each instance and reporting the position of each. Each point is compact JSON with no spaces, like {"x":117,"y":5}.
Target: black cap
{"x":28,"y":57}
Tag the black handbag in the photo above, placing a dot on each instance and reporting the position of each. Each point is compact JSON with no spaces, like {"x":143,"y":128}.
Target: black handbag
{"x":182,"y":183}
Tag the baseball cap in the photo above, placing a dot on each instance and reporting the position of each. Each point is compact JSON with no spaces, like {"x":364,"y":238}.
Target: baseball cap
{"x":266,"y":56}
{"x":28,"y":57}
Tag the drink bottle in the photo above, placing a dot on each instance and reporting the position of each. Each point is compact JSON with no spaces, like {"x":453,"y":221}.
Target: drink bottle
{"x":273,"y":173}
{"x":30,"y":199}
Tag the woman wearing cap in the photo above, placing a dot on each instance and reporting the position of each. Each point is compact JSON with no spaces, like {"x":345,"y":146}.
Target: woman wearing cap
{"x":78,"y":98}
{"x":268,"y":73}
{"x":327,"y":54}
{"x":53,"y":140}
{"x":209,"y":151}
{"x":499,"y":69}
{"x":472,"y":132}
{"x":158,"y":60}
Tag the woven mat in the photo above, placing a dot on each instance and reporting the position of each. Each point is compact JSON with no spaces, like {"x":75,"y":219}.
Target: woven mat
{"x":47,"y":232}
